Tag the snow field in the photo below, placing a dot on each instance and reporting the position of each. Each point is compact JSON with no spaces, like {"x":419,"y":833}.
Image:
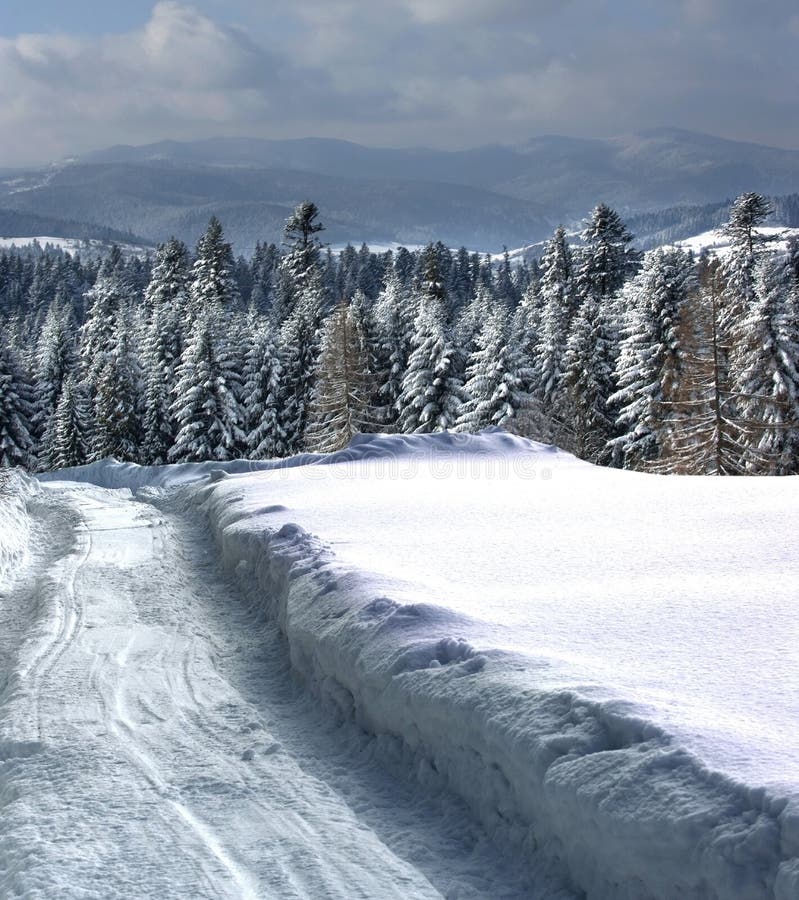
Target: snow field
{"x":592,"y":783}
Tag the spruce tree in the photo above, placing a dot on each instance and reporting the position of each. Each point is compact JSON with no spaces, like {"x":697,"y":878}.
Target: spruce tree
{"x":588,"y":379}
{"x":71,"y":432}
{"x":601,"y":268}
{"x":213,"y":286}
{"x":473,"y":316}
{"x":299,"y":269}
{"x":169,"y":282}
{"x":432,"y":391}
{"x":110,"y":298}
{"x":767,"y":377}
{"x":118,"y":420}
{"x":299,"y":348}
{"x":206,"y":406}
{"x":494,"y":388}
{"x":394,"y":322}
{"x":261,"y":406}
{"x":265,"y":263}
{"x":17,"y":412}
{"x":56,"y":358}
{"x":161,"y":354}
{"x":747,"y":214}
{"x":606,"y":260}
{"x":652,"y":364}
{"x":558,"y":308}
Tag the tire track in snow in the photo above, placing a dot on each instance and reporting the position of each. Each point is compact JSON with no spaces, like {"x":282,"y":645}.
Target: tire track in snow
{"x":68,"y":617}
{"x":123,"y":726}
{"x":124,"y":734}
{"x":108,"y":683}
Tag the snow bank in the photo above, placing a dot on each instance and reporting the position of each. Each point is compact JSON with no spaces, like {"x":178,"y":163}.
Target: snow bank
{"x":109,"y":473}
{"x":623,"y":595}
{"x":15,"y":522}
{"x":613,"y":800}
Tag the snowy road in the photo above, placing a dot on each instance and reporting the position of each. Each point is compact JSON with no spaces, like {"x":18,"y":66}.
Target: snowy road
{"x":153,"y":742}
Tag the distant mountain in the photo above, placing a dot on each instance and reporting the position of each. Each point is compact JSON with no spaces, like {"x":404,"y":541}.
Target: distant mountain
{"x":649,"y":170}
{"x":568,"y":176}
{"x":161,"y":198}
{"x":483,"y":198}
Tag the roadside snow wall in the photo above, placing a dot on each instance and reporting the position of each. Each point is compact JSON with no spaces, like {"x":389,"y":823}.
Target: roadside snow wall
{"x":606,"y":797}
{"x":15,"y":522}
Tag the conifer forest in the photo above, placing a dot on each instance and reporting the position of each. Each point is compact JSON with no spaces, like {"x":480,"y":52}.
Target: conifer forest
{"x":661,"y":362}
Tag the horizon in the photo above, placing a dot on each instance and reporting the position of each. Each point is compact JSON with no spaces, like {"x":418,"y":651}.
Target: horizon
{"x":211,"y":138}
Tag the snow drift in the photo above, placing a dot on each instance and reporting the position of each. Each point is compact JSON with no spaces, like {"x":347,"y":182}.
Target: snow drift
{"x":16,"y":488}
{"x":598,"y":785}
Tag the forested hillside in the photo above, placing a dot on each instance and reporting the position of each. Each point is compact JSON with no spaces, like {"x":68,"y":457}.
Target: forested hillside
{"x":661,"y":361}
{"x":668,"y":183}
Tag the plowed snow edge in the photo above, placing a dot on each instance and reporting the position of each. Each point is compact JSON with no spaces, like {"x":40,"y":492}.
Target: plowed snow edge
{"x":624,"y":813}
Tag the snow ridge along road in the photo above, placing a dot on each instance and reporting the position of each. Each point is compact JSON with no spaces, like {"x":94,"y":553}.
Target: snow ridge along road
{"x":602,"y":664}
{"x":154,"y":743}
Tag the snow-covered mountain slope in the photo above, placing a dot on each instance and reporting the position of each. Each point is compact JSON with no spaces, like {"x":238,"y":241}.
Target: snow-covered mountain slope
{"x":602,"y":664}
{"x":718,"y":244}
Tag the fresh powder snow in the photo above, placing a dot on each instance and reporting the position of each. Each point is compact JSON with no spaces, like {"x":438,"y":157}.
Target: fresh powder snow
{"x":600,"y":665}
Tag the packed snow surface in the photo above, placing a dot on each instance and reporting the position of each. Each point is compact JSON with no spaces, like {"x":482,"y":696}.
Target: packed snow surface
{"x":603,"y":664}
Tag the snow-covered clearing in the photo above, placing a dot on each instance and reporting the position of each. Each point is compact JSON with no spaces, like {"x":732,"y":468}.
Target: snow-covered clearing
{"x":92,"y":247}
{"x":602,"y":664}
{"x":68,"y":244}
{"x":717,"y":243}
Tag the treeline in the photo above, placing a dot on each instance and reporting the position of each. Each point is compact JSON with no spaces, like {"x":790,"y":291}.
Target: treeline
{"x":661,"y":362}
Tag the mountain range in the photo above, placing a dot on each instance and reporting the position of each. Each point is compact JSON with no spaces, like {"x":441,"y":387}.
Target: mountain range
{"x":483,"y":198}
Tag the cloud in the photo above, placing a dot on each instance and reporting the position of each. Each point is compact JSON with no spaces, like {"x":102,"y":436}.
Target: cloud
{"x":402,"y":72}
{"x":454,"y":12}
{"x":180,"y":69}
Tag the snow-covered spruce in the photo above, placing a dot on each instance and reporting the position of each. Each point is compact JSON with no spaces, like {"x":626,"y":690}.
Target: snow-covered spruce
{"x":17,"y":412}
{"x":207,"y":409}
{"x":652,"y":361}
{"x":432,"y":392}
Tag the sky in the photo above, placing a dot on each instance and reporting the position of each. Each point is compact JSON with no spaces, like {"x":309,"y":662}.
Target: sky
{"x":87,"y":74}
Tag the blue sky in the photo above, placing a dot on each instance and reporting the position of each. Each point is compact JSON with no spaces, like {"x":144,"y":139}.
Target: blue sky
{"x":83,"y":16}
{"x":449,"y":73}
